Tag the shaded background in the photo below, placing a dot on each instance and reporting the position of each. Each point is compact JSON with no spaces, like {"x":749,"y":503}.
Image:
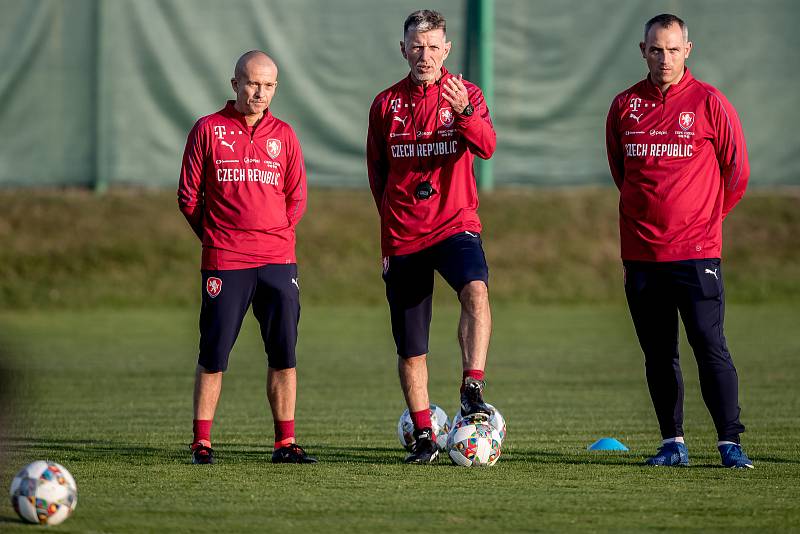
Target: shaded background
{"x":99,"y":294}
{"x":108,"y":89}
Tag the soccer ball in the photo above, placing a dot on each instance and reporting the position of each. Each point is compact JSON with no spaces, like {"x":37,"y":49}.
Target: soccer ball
{"x":496,"y":420}
{"x":473,"y":442}
{"x":439,"y":422}
{"x":44,"y":493}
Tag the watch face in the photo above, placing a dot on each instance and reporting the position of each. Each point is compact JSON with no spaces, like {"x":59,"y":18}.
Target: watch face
{"x":469,"y":110}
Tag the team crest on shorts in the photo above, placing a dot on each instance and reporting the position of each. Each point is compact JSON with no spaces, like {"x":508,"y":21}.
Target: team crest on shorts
{"x":447,"y":117}
{"x":273,"y":147}
{"x":686,"y":119}
{"x":213,"y":286}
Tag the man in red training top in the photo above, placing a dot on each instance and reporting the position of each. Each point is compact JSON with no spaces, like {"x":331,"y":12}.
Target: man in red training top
{"x":424,"y":133}
{"x":243,"y":190}
{"x":677,"y":154}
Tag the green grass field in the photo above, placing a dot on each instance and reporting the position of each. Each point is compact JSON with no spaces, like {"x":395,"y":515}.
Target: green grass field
{"x":107,"y":393}
{"x":132,"y":248}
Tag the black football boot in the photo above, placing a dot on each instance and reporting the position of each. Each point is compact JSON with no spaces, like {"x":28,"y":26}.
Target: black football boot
{"x":424,"y":450}
{"x":472,"y":398}
{"x":292,"y":454}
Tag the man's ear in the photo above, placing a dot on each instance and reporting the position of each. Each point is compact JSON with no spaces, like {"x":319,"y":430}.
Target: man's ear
{"x":403,"y":49}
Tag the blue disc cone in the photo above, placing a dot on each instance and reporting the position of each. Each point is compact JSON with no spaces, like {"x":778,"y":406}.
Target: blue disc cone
{"x":607,"y":444}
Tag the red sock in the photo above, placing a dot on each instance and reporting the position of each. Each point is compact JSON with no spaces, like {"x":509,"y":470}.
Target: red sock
{"x":202,"y":431}
{"x":284,"y":433}
{"x":472,"y":373}
{"x":421,"y":419}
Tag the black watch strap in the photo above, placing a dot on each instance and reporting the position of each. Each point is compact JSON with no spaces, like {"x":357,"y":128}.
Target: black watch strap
{"x":468,"y":111}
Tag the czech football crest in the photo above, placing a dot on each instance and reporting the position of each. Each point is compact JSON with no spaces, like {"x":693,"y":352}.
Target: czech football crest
{"x":273,"y":147}
{"x":686,"y":120}
{"x":213,"y":286}
{"x":446,"y":116}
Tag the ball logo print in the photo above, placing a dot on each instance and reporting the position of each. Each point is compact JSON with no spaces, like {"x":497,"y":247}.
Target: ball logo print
{"x":440,"y":424}
{"x":474,"y":442}
{"x":213,"y":286}
{"x":273,"y":147}
{"x":496,"y":421}
{"x":686,"y":120}
{"x":44,"y":493}
{"x":447,"y":117}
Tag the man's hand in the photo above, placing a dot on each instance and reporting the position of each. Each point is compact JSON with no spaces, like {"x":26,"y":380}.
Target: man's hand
{"x":456,"y":93}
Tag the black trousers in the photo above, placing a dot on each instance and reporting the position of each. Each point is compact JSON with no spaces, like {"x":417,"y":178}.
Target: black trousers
{"x":656,"y":293}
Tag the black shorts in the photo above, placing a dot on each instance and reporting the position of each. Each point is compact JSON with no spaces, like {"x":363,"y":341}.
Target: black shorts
{"x":275,"y":294}
{"x":409,"y":285}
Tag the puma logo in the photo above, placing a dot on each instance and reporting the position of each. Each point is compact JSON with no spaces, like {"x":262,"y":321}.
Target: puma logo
{"x":229,"y":145}
{"x":294,"y":281}
{"x":635,"y":117}
{"x":714,"y":272}
{"x":401,"y":121}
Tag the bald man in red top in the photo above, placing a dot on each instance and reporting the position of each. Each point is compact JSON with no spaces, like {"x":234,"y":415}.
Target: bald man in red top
{"x":243,"y":190}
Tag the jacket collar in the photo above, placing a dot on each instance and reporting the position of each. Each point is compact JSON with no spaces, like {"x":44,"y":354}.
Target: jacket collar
{"x":230,"y":111}
{"x":416,"y":90}
{"x":673,"y":89}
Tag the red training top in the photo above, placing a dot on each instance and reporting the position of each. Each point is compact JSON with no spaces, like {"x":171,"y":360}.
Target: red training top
{"x":243,"y":189}
{"x":415,"y":136}
{"x":680,"y":163}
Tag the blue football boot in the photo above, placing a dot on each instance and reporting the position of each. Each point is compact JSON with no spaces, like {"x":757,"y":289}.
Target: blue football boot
{"x":674,"y":454}
{"x":733,"y":456}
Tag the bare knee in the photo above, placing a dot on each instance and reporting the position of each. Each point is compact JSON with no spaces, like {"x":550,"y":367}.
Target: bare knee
{"x":201,"y":370}
{"x":474,"y":297}
{"x":412,"y":362}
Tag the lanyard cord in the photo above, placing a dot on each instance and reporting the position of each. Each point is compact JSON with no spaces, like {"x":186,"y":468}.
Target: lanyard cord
{"x":414,"y":123}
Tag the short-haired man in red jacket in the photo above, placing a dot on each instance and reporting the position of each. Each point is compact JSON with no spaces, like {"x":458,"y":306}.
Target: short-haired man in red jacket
{"x":424,"y":133}
{"x":677,"y":154}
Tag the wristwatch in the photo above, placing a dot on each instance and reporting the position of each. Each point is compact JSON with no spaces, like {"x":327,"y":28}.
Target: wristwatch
{"x":468,"y":111}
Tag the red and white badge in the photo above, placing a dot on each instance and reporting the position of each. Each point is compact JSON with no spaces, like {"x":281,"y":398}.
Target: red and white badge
{"x":686,"y":119}
{"x":447,"y":117}
{"x":273,"y":147}
{"x":213,"y":286}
